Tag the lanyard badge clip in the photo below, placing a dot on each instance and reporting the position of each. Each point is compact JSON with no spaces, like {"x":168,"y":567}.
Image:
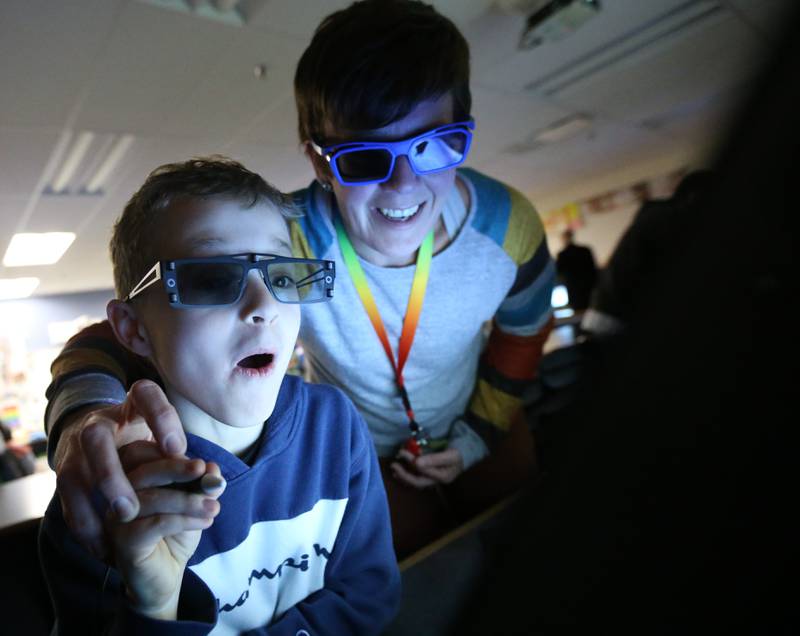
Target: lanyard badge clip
{"x":418,"y":443}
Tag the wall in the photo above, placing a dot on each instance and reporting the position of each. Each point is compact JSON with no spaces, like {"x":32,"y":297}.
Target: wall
{"x":600,"y":231}
{"x":600,"y":220}
{"x":32,"y":332}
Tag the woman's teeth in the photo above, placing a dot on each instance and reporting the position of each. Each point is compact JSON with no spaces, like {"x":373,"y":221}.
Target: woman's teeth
{"x":399,"y":214}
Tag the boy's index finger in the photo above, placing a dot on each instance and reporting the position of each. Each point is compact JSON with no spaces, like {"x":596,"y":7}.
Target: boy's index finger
{"x":152,"y":405}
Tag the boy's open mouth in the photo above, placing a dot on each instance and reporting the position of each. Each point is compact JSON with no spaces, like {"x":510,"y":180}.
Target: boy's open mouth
{"x":257,"y":361}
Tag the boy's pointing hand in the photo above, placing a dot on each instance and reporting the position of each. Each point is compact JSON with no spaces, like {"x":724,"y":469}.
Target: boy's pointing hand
{"x":87,"y":457}
{"x":151,"y":551}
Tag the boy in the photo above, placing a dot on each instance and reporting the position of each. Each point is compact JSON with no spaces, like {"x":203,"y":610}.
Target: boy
{"x":301,"y":538}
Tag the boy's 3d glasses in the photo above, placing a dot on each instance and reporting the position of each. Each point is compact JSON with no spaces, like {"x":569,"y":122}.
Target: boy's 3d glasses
{"x":363,"y":163}
{"x":221,"y":280}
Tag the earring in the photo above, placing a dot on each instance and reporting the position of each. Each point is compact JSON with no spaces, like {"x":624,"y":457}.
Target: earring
{"x":326,"y":186}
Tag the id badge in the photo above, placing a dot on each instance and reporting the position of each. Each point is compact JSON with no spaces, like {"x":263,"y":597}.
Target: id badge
{"x":420,"y":443}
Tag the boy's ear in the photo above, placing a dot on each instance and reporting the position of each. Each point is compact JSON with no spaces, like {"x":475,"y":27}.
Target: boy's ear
{"x":128,"y":329}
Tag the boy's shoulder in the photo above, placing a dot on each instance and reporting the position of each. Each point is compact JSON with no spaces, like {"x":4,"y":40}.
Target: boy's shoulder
{"x":318,"y":394}
{"x":328,"y":415}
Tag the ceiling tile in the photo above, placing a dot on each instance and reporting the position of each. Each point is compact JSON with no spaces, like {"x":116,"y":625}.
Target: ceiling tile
{"x":60,"y":213}
{"x":766,"y":17}
{"x":11,"y":209}
{"x":285,"y":167}
{"x":462,"y":12}
{"x":503,"y":119}
{"x":23,"y":159}
{"x":703,"y":62}
{"x":556,"y":172}
{"x":155,"y":58}
{"x":229,"y":95}
{"x":275,"y":124}
{"x":296,"y":18}
{"x":49,"y":50}
{"x":500,"y":63}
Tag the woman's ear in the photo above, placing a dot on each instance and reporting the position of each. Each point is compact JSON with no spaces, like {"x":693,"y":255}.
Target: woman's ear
{"x":128,"y":329}
{"x":321,"y":169}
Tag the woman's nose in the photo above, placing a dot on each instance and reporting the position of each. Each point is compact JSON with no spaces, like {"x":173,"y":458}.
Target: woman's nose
{"x":403,"y":178}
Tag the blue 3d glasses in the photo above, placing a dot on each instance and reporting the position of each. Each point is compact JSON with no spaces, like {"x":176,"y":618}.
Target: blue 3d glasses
{"x":221,"y":280}
{"x":367,"y":162}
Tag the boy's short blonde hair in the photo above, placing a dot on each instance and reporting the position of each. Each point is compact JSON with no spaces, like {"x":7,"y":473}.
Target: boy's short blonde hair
{"x":133,"y":239}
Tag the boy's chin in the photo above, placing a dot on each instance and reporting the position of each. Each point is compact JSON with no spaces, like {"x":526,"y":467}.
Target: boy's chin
{"x":251,"y":402}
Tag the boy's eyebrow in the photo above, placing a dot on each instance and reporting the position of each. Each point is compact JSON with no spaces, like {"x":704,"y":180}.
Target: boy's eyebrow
{"x":212,"y":241}
{"x":204,"y":241}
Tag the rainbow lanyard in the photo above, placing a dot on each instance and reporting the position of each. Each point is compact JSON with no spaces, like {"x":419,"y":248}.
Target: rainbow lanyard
{"x":413,"y":310}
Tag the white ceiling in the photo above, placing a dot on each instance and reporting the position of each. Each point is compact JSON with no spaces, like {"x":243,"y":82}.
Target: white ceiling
{"x":659,"y":79}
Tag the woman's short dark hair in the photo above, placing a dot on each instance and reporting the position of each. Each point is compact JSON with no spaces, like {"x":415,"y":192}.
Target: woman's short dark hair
{"x":370,"y":64}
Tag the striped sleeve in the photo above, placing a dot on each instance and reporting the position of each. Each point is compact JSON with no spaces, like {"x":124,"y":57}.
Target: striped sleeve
{"x":521,"y":325}
{"x":94,"y":350}
{"x":300,"y":246}
{"x":311,"y":236}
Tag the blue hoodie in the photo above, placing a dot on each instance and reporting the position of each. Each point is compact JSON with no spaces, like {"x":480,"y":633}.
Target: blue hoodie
{"x":302,"y":542}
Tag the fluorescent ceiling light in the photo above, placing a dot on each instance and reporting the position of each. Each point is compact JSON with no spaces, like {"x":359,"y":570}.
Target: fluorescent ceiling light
{"x":114,"y":156}
{"x":37,"y":249}
{"x":72,"y":161}
{"x":12,"y":288}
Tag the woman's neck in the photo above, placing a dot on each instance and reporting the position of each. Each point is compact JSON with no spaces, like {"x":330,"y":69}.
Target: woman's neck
{"x":374,"y":257}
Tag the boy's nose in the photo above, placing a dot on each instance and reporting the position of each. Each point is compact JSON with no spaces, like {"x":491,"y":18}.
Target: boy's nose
{"x":403,"y":178}
{"x":258,"y":304}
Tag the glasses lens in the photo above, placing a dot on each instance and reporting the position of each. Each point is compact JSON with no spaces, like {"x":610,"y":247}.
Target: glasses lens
{"x":439,"y":152}
{"x":364,"y":165}
{"x":209,"y":283}
{"x":296,"y":282}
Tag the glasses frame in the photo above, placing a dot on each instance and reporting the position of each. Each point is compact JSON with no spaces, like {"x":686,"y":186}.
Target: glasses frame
{"x":396,"y":149}
{"x":166,"y":271}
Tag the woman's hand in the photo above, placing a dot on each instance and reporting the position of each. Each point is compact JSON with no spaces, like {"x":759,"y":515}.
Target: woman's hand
{"x":429,"y":469}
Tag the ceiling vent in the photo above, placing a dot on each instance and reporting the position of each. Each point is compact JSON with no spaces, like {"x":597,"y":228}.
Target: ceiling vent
{"x":86,"y":164}
{"x":230,"y":12}
{"x":631,"y":46}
